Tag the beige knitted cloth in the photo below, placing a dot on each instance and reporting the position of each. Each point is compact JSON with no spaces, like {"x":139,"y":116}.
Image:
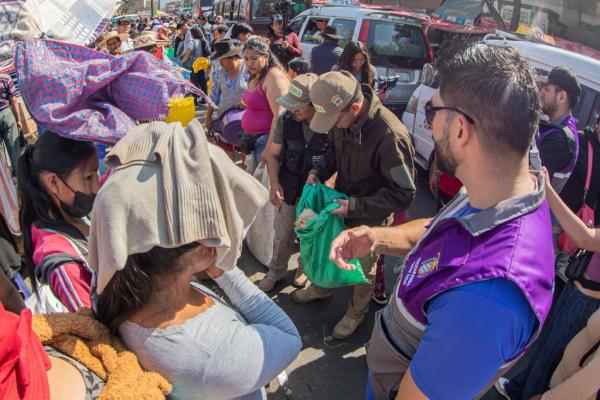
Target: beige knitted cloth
{"x":170,"y":187}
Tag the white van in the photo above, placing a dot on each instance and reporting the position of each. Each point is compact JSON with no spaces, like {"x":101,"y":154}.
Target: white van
{"x":542,"y":57}
{"x":378,"y":30}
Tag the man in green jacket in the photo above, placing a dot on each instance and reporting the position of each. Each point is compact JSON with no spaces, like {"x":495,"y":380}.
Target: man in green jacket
{"x":371,"y":152}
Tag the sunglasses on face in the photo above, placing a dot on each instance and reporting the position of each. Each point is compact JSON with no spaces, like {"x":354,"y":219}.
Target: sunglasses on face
{"x":430,"y":111}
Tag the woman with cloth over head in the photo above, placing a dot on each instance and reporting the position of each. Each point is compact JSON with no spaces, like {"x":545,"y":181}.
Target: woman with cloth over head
{"x":57,"y":182}
{"x":192,"y":208}
{"x":268,"y":82}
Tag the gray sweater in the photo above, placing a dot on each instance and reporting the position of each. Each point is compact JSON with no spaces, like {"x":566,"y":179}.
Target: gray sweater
{"x":220,"y":353}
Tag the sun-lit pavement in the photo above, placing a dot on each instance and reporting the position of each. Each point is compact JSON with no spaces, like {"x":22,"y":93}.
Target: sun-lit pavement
{"x":326,"y":368}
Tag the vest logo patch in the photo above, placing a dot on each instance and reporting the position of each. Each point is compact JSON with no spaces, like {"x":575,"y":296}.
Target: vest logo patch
{"x":428,"y":266}
{"x":295,"y":91}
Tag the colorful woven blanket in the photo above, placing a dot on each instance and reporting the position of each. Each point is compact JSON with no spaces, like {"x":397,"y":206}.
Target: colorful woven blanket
{"x":87,"y":95}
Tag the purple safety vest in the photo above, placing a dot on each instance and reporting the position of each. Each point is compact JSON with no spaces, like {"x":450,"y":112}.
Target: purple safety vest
{"x":454,"y":253}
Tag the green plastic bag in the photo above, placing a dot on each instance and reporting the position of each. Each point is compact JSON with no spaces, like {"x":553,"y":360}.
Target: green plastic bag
{"x":316,"y":237}
{"x":170,"y":51}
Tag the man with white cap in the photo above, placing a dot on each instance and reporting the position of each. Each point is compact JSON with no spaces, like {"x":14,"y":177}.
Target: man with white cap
{"x":371,"y":152}
{"x":294,"y":151}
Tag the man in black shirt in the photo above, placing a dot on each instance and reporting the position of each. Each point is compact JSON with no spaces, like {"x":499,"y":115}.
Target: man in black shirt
{"x":327,"y":54}
{"x":557,"y":140}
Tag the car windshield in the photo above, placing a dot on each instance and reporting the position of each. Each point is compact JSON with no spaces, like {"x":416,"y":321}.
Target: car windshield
{"x":393,"y":44}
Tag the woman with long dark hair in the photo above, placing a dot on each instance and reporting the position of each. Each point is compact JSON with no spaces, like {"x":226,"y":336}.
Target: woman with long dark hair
{"x":148,"y":252}
{"x":355,"y":59}
{"x":57,"y":181}
{"x":268,"y":81}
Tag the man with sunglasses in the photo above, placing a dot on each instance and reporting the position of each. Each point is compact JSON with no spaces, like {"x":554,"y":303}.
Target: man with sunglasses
{"x":371,"y":152}
{"x":476,"y":285}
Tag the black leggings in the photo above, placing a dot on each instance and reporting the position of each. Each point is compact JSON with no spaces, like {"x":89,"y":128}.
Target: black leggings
{"x":199,"y":80}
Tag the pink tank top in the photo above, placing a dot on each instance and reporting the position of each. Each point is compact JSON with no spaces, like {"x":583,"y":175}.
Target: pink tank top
{"x":258,"y":116}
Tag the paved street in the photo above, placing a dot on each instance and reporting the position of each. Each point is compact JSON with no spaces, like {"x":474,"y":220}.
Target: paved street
{"x":326,"y":368}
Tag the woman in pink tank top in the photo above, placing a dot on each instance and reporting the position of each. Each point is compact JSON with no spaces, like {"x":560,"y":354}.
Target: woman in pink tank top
{"x":268,"y":82}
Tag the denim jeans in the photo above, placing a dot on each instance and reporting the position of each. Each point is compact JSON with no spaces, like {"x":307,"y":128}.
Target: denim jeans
{"x":569,"y":316}
{"x":259,"y":147}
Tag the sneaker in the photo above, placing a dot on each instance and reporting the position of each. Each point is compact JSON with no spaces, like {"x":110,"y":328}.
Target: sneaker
{"x":382,"y":299}
{"x":347,"y":325}
{"x":300,"y":280}
{"x":500,"y":386}
{"x":303,"y":296}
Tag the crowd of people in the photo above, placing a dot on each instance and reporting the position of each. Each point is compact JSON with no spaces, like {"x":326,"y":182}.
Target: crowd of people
{"x":480,"y":284}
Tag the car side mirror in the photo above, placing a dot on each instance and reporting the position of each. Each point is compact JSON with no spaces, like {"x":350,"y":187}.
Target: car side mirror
{"x":427,"y":75}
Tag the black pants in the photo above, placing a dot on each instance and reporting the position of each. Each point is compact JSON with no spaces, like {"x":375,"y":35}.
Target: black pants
{"x":199,"y":80}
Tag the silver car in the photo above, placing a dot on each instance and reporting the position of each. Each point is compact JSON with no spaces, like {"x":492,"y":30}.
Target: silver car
{"x":395,"y":41}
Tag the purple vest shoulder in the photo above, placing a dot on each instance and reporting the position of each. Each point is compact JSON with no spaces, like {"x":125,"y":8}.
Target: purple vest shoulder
{"x":519,"y":249}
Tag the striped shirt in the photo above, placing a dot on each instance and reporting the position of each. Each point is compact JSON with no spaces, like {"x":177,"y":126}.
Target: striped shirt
{"x":70,"y":282}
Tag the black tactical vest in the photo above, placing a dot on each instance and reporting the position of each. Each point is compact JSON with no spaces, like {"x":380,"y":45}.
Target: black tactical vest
{"x":298,"y":157}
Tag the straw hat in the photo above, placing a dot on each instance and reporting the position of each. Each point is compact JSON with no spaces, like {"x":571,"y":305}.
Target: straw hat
{"x":144,"y":41}
{"x":111,"y":35}
{"x":225,"y":48}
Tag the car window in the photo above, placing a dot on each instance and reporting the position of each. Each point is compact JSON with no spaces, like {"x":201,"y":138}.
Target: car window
{"x":296,"y":25}
{"x":236,"y":9}
{"x":394,"y":44}
{"x":265,"y":8}
{"x":346,"y":29}
{"x":227,"y":8}
{"x":438,"y":38}
{"x":312,"y":33}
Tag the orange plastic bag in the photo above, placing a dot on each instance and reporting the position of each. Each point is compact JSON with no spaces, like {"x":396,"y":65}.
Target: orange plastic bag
{"x":181,"y":109}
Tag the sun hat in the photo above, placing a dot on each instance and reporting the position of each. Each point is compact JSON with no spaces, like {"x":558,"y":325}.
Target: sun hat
{"x":225,"y":48}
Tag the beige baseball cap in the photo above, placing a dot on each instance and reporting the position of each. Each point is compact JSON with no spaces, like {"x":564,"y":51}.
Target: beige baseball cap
{"x":298,"y":96}
{"x":332,"y":93}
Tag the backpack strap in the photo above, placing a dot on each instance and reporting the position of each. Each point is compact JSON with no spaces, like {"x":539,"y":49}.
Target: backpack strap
{"x":588,"y":177}
{"x":559,"y":179}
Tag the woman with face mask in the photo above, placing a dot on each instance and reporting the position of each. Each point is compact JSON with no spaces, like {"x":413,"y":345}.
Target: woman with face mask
{"x":57,"y":181}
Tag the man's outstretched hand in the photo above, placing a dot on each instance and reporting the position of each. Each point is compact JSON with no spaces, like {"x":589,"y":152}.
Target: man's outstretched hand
{"x":352,"y":243}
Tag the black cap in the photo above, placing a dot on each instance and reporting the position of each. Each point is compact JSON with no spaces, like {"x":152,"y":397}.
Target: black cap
{"x":240,"y":28}
{"x":276,"y":17}
{"x":565,"y":79}
{"x":124,"y":21}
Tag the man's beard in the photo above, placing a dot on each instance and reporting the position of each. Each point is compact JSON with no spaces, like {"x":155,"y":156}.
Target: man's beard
{"x":550,"y":107}
{"x":445,"y":159}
